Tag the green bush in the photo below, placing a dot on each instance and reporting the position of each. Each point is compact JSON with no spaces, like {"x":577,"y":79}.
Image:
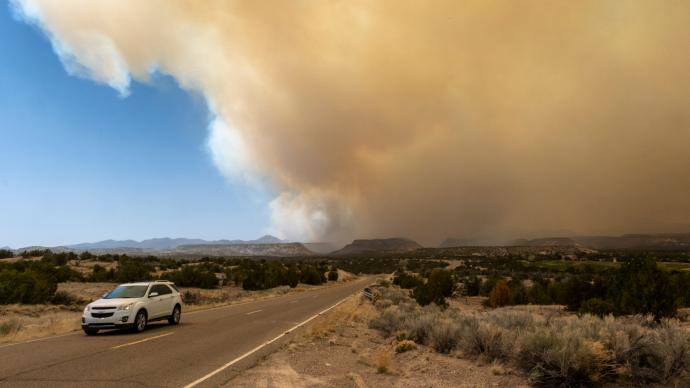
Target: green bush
{"x":6,"y":254}
{"x":28,"y":287}
{"x":66,"y":299}
{"x":596,"y":306}
{"x":100,"y":274}
{"x":333,"y":276}
{"x":439,"y":286}
{"x":193,"y":276}
{"x":132,"y":270}
{"x":407,"y":281}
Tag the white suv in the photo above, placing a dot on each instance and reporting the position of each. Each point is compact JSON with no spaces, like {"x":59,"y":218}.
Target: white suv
{"x":132,"y":306}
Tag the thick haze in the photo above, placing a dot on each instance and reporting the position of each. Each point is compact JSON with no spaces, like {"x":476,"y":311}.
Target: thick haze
{"x":479,"y":119}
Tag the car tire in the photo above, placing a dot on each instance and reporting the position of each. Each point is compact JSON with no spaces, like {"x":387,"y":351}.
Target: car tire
{"x":176,"y":315}
{"x":91,"y":331}
{"x":140,"y":321}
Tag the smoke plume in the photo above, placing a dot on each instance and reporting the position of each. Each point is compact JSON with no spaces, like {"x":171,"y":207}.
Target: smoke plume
{"x":482,"y":119}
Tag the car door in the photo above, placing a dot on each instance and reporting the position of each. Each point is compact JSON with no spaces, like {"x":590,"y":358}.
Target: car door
{"x":157,"y":302}
{"x":167,"y":299}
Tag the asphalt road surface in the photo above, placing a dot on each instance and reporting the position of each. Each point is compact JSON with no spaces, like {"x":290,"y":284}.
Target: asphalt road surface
{"x":207,"y":349}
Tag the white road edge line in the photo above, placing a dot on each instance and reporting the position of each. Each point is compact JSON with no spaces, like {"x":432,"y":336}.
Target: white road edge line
{"x":240,"y":358}
{"x":143,"y":340}
{"x":253,"y":312}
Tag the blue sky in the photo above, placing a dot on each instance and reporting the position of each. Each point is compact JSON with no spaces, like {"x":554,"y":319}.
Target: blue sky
{"x":80,"y":163}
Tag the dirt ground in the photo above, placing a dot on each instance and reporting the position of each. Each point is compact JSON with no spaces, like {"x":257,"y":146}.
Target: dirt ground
{"x":339,"y":350}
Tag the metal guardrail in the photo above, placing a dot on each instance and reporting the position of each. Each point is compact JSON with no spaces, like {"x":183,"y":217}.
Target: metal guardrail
{"x":368,"y":294}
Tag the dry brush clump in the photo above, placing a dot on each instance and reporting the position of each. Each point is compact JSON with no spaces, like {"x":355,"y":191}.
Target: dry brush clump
{"x":553,"y":348}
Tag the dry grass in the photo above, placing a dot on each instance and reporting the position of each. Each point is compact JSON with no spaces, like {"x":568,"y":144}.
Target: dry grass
{"x":405,"y":346}
{"x":351,"y":311}
{"x":28,"y":322}
{"x":383,"y":361}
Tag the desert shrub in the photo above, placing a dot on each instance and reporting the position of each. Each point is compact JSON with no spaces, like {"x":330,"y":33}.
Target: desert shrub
{"x":444,"y":336}
{"x":439,"y":286}
{"x":674,"y":352}
{"x":191,"y":297}
{"x":406,"y":280}
{"x":311,"y":275}
{"x":333,"y":276}
{"x":389,"y":320}
{"x":383,"y":362}
{"x":66,"y":299}
{"x":557,"y":358}
{"x":101,"y":274}
{"x":11,"y":326}
{"x":395,"y":295}
{"x":419,"y":326}
{"x":596,"y":306}
{"x":35,"y":253}
{"x":479,"y":339}
{"x":28,"y":287}
{"x":641,"y":287}
{"x":553,"y":350}
{"x":512,"y":319}
{"x":193,"y":276}
{"x":405,"y":346}
{"x":132,"y":270}
{"x":500,"y":295}
{"x":6,"y":254}
{"x":472,"y":286}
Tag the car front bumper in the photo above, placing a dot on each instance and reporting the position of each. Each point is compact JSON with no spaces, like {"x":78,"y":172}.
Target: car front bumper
{"x":119,"y":320}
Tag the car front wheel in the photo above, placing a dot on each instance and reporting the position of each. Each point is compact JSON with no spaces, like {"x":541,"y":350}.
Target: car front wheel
{"x":91,"y":331}
{"x":175,"y":317}
{"x":140,"y":322}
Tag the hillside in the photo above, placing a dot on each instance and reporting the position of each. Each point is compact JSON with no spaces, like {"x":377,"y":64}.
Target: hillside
{"x":669,"y":241}
{"x":387,"y":245}
{"x":278,"y":250}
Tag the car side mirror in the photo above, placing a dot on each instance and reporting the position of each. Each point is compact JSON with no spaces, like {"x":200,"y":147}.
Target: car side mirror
{"x":105,"y":294}
{"x":151,"y":295}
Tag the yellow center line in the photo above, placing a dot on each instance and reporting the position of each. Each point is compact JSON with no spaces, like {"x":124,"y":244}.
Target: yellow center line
{"x":140,"y":341}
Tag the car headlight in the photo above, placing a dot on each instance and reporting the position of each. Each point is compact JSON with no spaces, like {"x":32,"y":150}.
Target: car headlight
{"x":87,"y":308}
{"x":125,"y":307}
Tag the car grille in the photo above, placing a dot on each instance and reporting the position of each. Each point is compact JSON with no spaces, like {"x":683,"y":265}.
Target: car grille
{"x":104,"y":308}
{"x":101,"y":315}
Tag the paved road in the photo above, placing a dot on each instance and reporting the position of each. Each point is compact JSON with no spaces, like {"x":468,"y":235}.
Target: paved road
{"x":204,"y":342}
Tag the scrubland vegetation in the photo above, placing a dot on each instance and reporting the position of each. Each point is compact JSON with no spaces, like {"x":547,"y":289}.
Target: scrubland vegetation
{"x":636,"y":286}
{"x":33,"y":279}
{"x":553,"y":348}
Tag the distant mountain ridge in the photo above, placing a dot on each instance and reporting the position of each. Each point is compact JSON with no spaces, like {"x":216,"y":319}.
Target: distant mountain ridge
{"x":165,"y":243}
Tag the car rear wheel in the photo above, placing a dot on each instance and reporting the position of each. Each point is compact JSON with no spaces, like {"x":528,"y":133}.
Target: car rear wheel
{"x":140,"y":322}
{"x":176,"y":315}
{"x":91,"y":331}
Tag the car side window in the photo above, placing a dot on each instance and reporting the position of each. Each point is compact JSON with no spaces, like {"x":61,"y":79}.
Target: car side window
{"x":155,"y":288}
{"x":162,"y":289}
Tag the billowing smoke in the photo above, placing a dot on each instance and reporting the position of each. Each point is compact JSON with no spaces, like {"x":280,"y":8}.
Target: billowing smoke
{"x":481,"y":119}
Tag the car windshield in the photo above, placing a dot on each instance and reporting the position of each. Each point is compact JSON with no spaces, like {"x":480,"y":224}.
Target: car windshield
{"x":127,"y":292}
